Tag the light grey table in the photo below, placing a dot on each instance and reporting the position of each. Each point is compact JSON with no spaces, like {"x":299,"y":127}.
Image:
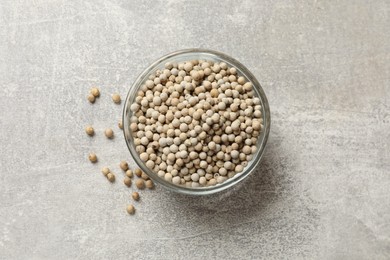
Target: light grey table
{"x":322,"y":190}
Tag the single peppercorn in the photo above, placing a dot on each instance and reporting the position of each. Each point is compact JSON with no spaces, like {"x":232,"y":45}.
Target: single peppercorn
{"x":92,"y":157}
{"x":116,"y":98}
{"x":111,"y":177}
{"x":91,"y":98}
{"x":124,"y":165}
{"x":109,"y":133}
{"x":140,"y":183}
{"x":144,"y":176}
{"x":129,"y":173}
{"x":149,"y":184}
{"x":135,"y":196}
{"x":130,"y":209}
{"x":127,"y":181}
{"x":138,"y":172}
{"x":95,"y":92}
{"x":105,"y":171}
{"x":89,"y":130}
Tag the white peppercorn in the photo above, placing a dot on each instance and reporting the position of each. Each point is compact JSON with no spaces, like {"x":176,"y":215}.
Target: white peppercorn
{"x":130,"y":209}
{"x":124,"y":166}
{"x":95,"y":92}
{"x":89,"y":130}
{"x":92,"y":157}
{"x":168,"y":177}
{"x":150,"y":164}
{"x":195,"y":177}
{"x":116,"y":98}
{"x":135,"y":196}
{"x":176,"y":180}
{"x":140,"y":183}
{"x":129,"y":173}
{"x":127,"y":181}
{"x":149,"y":184}
{"x":111,"y":177}
{"x":91,"y":98}
{"x":105,"y":171}
{"x":109,"y":133}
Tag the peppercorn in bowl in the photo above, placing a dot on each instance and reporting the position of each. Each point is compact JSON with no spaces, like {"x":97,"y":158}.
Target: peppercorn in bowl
{"x":196,"y":121}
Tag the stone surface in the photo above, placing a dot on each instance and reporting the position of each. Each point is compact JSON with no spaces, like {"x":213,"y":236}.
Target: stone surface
{"x":321,"y":192}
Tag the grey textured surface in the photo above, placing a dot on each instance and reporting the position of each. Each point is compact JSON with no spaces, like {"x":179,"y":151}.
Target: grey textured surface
{"x":321,"y":192}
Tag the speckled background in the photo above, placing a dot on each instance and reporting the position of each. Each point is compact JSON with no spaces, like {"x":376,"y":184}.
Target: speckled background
{"x":321,"y":192}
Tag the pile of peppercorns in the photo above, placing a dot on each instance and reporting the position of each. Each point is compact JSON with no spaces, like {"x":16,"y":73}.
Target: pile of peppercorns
{"x":196,"y":123}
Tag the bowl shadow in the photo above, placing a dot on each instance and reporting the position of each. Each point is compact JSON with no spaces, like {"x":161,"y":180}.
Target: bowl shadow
{"x":244,"y":202}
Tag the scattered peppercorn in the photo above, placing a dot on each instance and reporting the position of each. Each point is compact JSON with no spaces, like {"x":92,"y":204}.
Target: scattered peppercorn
{"x":95,"y":92}
{"x":91,"y":98}
{"x":111,"y":177}
{"x":138,"y":172}
{"x":116,"y":98}
{"x":127,"y":181}
{"x":92,"y":157}
{"x":149,"y":184}
{"x":124,"y":166}
{"x":129,"y":173}
{"x":109,"y":133}
{"x":135,"y":196}
{"x":144,"y":176}
{"x":130,"y":209}
{"x":105,"y":171}
{"x":140,"y":184}
{"x":89,"y":130}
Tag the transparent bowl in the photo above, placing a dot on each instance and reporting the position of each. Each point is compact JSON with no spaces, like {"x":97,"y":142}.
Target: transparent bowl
{"x":187,"y":55}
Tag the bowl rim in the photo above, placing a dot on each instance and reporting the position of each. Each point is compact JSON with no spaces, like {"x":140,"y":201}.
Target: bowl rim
{"x":216,"y":55}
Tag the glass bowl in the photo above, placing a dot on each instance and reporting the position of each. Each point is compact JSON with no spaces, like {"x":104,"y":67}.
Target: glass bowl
{"x":187,"y":55}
